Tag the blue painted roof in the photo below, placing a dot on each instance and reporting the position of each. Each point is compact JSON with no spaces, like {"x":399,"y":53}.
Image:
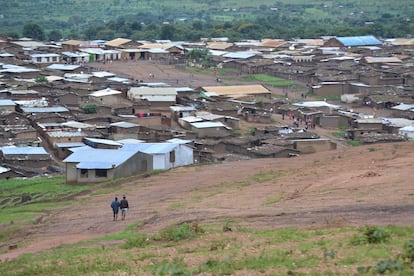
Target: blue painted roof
{"x":99,"y":158}
{"x":151,"y":148}
{"x":359,"y":40}
{"x":23,"y":150}
{"x":95,"y":165}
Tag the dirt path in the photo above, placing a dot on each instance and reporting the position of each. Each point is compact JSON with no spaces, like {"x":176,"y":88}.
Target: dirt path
{"x":346,"y":187}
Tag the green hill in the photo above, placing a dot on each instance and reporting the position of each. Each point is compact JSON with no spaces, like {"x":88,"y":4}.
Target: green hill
{"x":144,"y":19}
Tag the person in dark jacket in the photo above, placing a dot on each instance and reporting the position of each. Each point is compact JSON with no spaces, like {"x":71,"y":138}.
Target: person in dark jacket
{"x":115,"y":207}
{"x":124,"y":207}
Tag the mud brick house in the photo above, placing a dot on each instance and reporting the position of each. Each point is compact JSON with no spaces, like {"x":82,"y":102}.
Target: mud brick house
{"x":178,"y":112}
{"x":7,"y":173}
{"x":235,"y":91}
{"x":107,"y":97}
{"x":72,"y":45}
{"x":7,"y":106}
{"x":18,"y":72}
{"x":404,"y":111}
{"x":29,"y":157}
{"x":124,"y":130}
{"x":101,"y":143}
{"x":330,"y":88}
{"x":99,"y":54}
{"x":45,"y":114}
{"x":334,"y":121}
{"x":313,"y":145}
{"x":210,"y":129}
{"x":122,"y":43}
{"x":352,"y":41}
{"x":45,"y":58}
{"x":55,"y":137}
{"x":63,"y":150}
{"x":88,"y":165}
{"x":157,"y":96}
{"x":271,"y":151}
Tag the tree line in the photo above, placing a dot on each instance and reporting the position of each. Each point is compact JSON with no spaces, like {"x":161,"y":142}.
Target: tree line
{"x":271,"y":26}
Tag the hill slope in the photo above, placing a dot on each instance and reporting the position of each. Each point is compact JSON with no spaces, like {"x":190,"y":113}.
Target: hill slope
{"x":347,"y":187}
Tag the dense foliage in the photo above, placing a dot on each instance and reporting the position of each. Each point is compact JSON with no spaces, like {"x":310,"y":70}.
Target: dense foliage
{"x":192,"y":19}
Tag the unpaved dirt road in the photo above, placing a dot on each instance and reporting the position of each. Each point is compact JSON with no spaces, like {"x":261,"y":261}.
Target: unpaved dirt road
{"x":350,"y":186}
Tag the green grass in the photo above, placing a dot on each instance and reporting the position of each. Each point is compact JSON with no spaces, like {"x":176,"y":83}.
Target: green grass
{"x":269,"y":80}
{"x":182,"y":250}
{"x":268,"y":176}
{"x":354,"y":143}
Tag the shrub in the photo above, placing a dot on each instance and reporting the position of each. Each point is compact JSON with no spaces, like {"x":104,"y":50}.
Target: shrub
{"x":89,"y":108}
{"x":376,"y":235}
{"x":138,"y":241}
{"x":382,"y":267}
{"x":371,"y":234}
{"x":180,"y":232}
{"x":170,"y":268}
{"x":409,"y":251}
{"x":41,"y":79}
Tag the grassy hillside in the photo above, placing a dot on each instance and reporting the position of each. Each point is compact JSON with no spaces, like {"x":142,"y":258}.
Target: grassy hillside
{"x":74,"y":16}
{"x":220,"y":248}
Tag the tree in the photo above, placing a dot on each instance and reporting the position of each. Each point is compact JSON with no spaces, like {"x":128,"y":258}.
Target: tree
{"x":33,"y":30}
{"x":167,"y":31}
{"x":55,"y":35}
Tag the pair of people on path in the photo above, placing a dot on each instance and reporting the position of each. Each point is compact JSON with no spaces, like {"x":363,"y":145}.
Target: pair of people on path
{"x":123,"y":205}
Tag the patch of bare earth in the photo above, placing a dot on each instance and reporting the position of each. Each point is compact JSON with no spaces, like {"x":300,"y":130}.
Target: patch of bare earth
{"x":346,"y":187}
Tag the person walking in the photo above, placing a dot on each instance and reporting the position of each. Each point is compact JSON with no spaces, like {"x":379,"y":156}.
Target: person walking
{"x":124,"y":207}
{"x":115,"y":207}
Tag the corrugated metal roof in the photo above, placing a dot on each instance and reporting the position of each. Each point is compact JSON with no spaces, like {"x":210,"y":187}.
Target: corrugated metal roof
{"x":74,"y":124}
{"x":240,"y":55}
{"x":103,"y":74}
{"x":95,"y":165}
{"x":105,"y":92}
{"x":60,"y":134}
{"x":7,"y":102}
{"x":70,"y":145}
{"x":103,"y":141}
{"x":4,"y":169}
{"x":17,"y":69}
{"x":182,"y":108}
{"x":151,"y":148}
{"x":179,"y":141}
{"x":63,"y":67}
{"x":117,"y":42}
{"x":122,"y":80}
{"x":403,"y":107}
{"x":44,"y":55}
{"x":91,"y":158}
{"x":23,"y":150}
{"x":74,"y":55}
{"x":359,"y":40}
{"x":124,"y":124}
{"x":208,"y":124}
{"x":130,"y":141}
{"x":382,"y":60}
{"x":316,"y":104}
{"x":73,"y":42}
{"x":51,"y":109}
{"x":236,"y":89}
